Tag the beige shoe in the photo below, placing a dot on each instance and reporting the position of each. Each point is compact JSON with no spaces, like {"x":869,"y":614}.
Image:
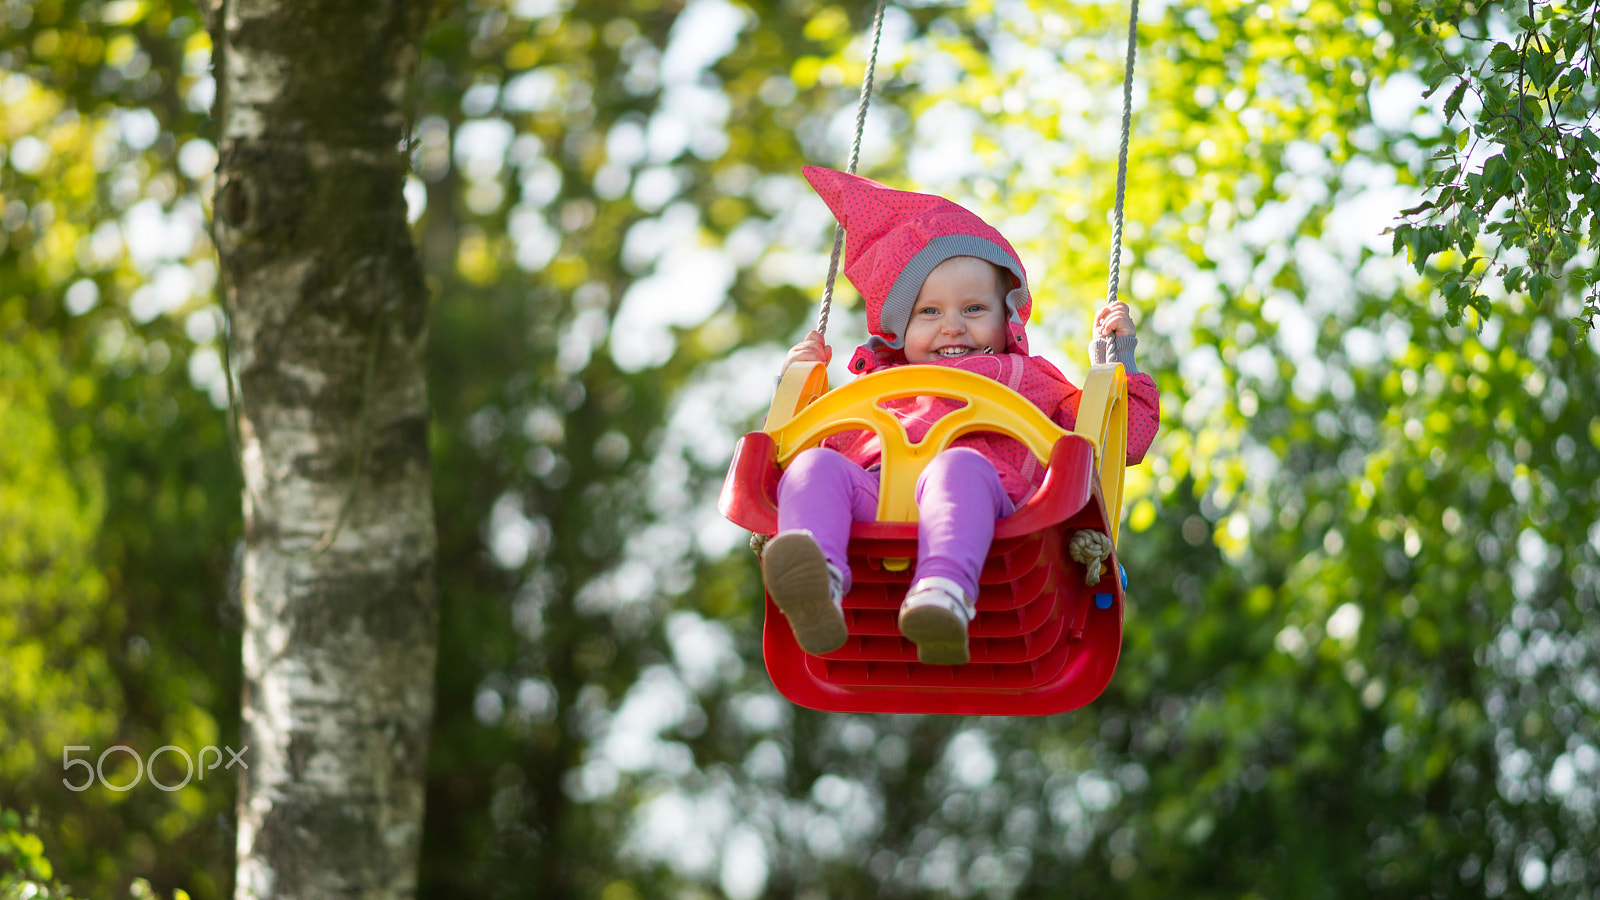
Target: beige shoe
{"x":807,"y":589}
{"x":934,"y":616}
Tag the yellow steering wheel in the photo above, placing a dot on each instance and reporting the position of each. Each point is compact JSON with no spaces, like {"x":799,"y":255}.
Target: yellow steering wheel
{"x":804,"y":412}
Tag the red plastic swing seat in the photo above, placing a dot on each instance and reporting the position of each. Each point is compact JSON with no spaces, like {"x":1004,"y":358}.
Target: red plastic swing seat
{"x":1042,"y":642}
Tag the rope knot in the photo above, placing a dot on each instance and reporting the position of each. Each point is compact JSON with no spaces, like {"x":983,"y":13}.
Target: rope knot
{"x":1092,"y":548}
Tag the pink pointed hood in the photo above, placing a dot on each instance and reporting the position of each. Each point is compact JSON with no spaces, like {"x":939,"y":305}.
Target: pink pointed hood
{"x":893,"y":240}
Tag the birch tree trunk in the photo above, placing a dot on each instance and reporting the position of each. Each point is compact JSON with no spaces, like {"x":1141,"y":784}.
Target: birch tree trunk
{"x":328,"y":310}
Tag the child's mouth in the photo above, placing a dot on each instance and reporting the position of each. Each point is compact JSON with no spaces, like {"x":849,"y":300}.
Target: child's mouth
{"x":953,"y":352}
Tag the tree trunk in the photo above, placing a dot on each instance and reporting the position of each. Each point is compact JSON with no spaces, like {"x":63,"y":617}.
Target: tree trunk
{"x":329,"y":313}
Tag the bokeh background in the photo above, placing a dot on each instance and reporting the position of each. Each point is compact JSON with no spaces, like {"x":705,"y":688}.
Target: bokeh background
{"x":1361,"y":654}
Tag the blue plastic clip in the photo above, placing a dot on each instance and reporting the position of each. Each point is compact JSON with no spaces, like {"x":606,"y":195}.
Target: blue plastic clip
{"x":1103,"y":601}
{"x":1124,"y":576}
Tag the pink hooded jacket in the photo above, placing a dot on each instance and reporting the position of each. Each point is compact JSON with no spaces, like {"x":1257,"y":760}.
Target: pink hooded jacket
{"x":894,"y":239}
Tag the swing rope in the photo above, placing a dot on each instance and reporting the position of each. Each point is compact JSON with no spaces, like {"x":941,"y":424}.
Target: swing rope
{"x":855,"y":157}
{"x":1115,"y":276}
{"x":758,"y":542}
{"x":1122,"y":154}
{"x":1091,"y":549}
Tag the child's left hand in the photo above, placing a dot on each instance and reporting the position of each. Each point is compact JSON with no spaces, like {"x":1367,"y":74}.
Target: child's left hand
{"x":1114,"y":321}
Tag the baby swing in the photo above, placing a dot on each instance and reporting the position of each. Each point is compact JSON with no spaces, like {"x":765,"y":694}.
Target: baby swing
{"x":1049,"y":625}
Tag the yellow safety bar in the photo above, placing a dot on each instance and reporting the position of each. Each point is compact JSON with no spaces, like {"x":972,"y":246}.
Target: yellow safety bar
{"x":1103,"y":419}
{"x":804,"y":412}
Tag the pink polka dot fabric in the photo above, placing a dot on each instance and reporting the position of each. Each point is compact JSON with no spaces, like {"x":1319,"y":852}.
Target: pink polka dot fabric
{"x":893,"y":239}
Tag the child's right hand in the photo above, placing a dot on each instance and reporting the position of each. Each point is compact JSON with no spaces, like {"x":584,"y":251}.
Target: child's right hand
{"x":812,"y":348}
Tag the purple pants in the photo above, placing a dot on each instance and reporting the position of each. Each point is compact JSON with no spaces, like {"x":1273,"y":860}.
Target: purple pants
{"x":959,"y":497}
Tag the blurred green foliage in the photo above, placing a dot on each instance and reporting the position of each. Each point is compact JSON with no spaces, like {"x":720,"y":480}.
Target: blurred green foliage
{"x":60,"y":689}
{"x":117,"y":613}
{"x":1360,"y":654}
{"x":25,"y":871}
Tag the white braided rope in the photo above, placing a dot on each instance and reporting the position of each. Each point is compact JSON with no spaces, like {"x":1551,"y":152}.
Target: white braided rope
{"x":855,"y":157}
{"x":1092,"y":548}
{"x":1122,"y":154}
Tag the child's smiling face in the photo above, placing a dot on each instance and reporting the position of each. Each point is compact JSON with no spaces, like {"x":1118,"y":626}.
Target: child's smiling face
{"x":960,"y":311}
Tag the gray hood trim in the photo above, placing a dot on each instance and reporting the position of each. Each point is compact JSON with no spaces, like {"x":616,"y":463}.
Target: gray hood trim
{"x":896,"y":311}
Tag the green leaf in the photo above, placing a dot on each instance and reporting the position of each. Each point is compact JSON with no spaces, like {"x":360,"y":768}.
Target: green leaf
{"x":1503,"y":58}
{"x":1421,"y":242}
{"x":1495,"y":97}
{"x":1452,"y":105}
{"x":1435,"y":74}
{"x":1539,"y":287}
{"x":1497,"y":174}
{"x":1541,"y":70}
{"x":1513,"y":279}
{"x":1500,"y":175}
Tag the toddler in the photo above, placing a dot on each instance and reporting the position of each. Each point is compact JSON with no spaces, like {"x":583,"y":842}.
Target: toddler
{"x":941,"y":287}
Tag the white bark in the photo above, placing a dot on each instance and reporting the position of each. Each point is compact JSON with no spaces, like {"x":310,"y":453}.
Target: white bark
{"x":328,"y":316}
